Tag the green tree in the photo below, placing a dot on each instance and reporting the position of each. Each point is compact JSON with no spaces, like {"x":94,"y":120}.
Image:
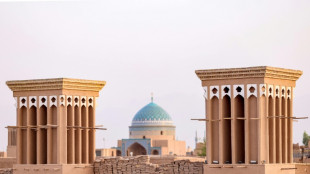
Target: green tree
{"x":203,"y":149}
{"x":305,"y":138}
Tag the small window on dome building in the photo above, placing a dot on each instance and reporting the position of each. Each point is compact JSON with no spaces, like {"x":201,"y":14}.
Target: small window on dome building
{"x":161,"y":132}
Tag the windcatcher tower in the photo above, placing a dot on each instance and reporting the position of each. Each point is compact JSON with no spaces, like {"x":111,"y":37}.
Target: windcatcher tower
{"x":55,"y":124}
{"x":249,"y":118}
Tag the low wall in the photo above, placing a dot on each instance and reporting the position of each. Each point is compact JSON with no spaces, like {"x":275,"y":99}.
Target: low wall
{"x":7,"y":162}
{"x":6,"y":171}
{"x":302,"y":168}
{"x":143,"y":164}
{"x":168,"y":159}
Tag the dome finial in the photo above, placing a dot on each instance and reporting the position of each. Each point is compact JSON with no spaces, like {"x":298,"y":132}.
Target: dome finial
{"x":152,"y":97}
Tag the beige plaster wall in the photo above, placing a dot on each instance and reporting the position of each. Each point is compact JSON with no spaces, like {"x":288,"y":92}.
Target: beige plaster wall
{"x":53,"y":169}
{"x":11,"y":151}
{"x":250,"y":169}
{"x":107,"y":152}
{"x":7,"y":162}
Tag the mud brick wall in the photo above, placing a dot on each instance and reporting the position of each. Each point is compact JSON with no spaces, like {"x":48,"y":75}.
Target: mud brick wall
{"x":141,"y":164}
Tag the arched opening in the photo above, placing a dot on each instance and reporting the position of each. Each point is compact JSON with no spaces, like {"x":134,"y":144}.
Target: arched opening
{"x":43,"y":135}
{"x":118,"y":153}
{"x":215,"y":129}
{"x":136,"y":149}
{"x":112,"y":153}
{"x":284,"y":130}
{"x":289,"y":131}
{"x":84,"y":136}
{"x":22,"y":121}
{"x":53,"y":140}
{"x":70,"y":134}
{"x":239,"y":134}
{"x":253,"y":128}
{"x":278,"y":131}
{"x":33,"y":135}
{"x":77,"y":135}
{"x":155,"y":152}
{"x":91,"y":132}
{"x":271,"y":129}
{"x":226,"y":110}
{"x":161,"y":132}
{"x":143,"y":137}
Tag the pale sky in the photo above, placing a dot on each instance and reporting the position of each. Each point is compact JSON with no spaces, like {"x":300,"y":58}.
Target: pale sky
{"x":144,"y":46}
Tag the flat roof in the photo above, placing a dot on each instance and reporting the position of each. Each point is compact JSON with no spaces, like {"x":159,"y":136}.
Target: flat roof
{"x":55,"y":84}
{"x":248,"y":72}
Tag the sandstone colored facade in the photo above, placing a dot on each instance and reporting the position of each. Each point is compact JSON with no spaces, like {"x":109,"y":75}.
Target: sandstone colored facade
{"x":249,"y":119}
{"x":55,"y":124}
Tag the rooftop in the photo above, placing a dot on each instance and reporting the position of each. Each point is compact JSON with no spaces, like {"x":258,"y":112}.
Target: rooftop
{"x":249,"y":72}
{"x":56,"y":83}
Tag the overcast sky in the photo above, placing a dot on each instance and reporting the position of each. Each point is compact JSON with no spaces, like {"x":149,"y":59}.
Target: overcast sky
{"x":144,"y":46}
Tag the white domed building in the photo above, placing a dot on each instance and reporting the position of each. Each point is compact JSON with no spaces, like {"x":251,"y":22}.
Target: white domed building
{"x":151,"y":133}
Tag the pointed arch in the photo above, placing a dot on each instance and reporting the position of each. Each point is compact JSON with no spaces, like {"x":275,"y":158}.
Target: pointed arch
{"x":43,"y":135}
{"x":215,"y":128}
{"x":284,"y":130}
{"x":91,"y":124}
{"x":240,"y":131}
{"x":70,"y":135}
{"x":22,"y":146}
{"x":277,"y":129}
{"x":136,"y":149}
{"x":271,"y":129}
{"x":32,"y":135}
{"x":226,"y":111}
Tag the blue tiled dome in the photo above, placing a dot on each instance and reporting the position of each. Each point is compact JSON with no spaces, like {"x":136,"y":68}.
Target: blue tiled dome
{"x":151,"y":112}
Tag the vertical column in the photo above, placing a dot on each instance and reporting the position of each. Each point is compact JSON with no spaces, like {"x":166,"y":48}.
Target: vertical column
{"x":91,"y":114}
{"x":262,"y":113}
{"x":221,"y":131}
{"x":39,"y":136}
{"x":246,"y":129}
{"x":49,"y":135}
{"x":290,"y":125}
{"x":233,"y":128}
{"x":9,"y":136}
{"x":19,"y":132}
{"x":208,"y":126}
{"x":261,"y":154}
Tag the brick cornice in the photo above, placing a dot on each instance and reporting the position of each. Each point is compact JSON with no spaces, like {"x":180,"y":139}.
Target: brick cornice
{"x":249,"y":72}
{"x":56,"y":84}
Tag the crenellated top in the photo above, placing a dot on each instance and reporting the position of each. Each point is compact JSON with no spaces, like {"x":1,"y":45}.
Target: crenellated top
{"x":249,"y":72}
{"x":56,"y":84}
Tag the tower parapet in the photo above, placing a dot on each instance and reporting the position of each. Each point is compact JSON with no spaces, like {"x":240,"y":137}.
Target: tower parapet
{"x":55,"y":122}
{"x":249,"y":115}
